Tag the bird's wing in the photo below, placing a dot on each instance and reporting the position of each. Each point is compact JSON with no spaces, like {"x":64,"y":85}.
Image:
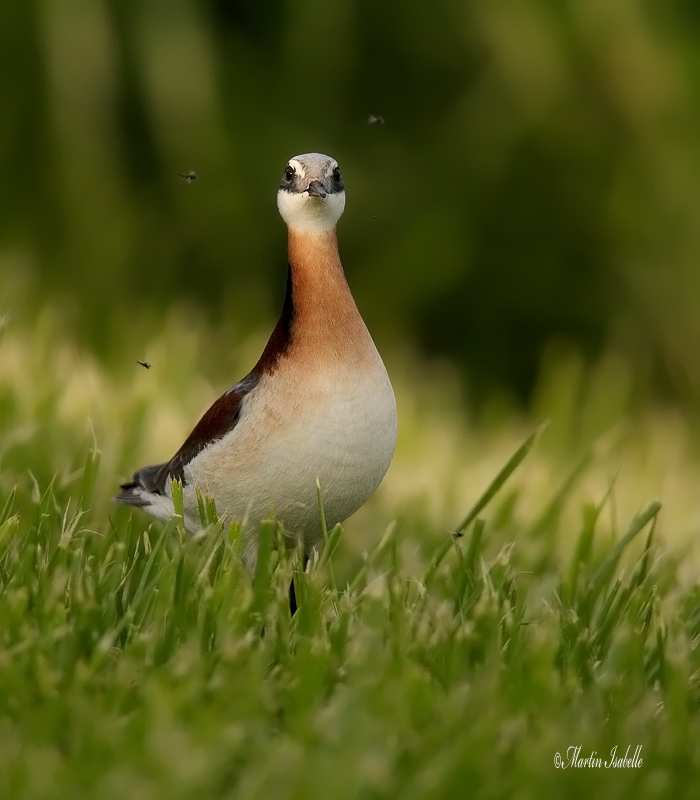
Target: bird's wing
{"x":220,"y":419}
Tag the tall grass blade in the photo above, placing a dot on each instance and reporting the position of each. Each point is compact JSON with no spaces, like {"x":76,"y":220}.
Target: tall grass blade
{"x":328,"y":546}
{"x":210,"y":512}
{"x":581,"y":555}
{"x":376,"y":555}
{"x":602,"y":576}
{"x":87,"y":483}
{"x":643,"y":571}
{"x":201,"y":507}
{"x":331,"y":545}
{"x":553,"y":509}
{"x":262,"y":590}
{"x":491,"y":490}
{"x":8,"y":505}
{"x":176,"y":492}
{"x":506,"y":471}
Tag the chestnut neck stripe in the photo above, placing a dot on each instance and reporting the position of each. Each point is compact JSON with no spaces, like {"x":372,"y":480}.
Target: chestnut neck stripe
{"x":281,"y":337}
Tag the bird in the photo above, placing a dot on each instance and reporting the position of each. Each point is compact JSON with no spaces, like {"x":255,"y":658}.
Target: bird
{"x":318,"y":407}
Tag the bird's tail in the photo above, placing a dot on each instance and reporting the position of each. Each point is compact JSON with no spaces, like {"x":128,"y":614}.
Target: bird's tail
{"x":147,"y":482}
{"x":132,"y":494}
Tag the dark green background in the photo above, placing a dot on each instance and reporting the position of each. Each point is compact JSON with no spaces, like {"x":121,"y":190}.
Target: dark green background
{"x":536,"y":181}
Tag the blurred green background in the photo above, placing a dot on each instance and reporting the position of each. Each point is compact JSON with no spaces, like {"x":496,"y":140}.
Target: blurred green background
{"x":534,"y":189}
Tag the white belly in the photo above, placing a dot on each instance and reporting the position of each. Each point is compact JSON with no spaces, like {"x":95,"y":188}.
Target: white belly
{"x":336,"y":428}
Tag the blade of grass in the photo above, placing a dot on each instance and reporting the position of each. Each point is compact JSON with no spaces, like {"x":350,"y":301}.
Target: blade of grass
{"x":606,"y":570}
{"x":330,"y":542}
{"x":87,"y":484}
{"x":201,"y":507}
{"x":141,"y":589}
{"x":468,"y":580}
{"x":376,"y":555}
{"x":491,"y":490}
{"x":646,"y":556}
{"x":234,"y":535}
{"x":262,"y":590}
{"x":329,"y":548}
{"x":9,"y":504}
{"x":553,"y":508}
{"x":176,"y":492}
{"x":506,"y":471}
{"x":581,"y":555}
{"x":212,"y":515}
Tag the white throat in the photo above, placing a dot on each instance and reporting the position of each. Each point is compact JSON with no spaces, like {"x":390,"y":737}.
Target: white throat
{"x":302,"y":212}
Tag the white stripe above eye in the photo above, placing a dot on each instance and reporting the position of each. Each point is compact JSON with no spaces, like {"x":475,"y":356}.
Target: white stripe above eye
{"x":300,"y":171}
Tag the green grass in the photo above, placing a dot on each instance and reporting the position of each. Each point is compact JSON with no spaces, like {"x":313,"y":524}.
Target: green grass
{"x":428,"y":658}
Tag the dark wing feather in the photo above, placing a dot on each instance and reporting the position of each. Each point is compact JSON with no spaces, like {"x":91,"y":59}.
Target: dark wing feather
{"x":219,"y":420}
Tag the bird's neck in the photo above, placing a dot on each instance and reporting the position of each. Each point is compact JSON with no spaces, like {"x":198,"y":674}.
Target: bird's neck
{"x":320,"y":294}
{"x":319,"y":317}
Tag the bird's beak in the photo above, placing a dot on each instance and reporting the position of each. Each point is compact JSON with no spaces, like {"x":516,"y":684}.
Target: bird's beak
{"x":316,"y":189}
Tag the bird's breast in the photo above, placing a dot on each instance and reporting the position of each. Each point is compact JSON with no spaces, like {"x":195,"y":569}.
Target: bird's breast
{"x":333,"y":421}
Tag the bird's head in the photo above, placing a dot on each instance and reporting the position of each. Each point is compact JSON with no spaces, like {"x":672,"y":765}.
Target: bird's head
{"x":311,"y":196}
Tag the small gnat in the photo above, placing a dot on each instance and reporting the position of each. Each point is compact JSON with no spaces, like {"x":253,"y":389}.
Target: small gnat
{"x":373,"y":120}
{"x":144,"y":364}
{"x":188,"y":177}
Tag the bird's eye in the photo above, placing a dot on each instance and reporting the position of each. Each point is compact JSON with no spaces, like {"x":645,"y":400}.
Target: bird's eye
{"x":336,"y":173}
{"x":289,"y":173}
